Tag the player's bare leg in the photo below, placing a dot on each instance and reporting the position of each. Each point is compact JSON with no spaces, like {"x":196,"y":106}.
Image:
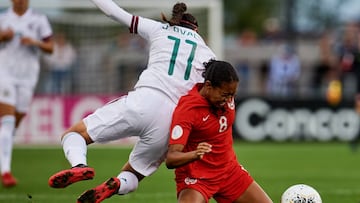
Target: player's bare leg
{"x":254,"y":193}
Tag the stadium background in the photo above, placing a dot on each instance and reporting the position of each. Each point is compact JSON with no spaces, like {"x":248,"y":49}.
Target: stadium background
{"x":109,"y":61}
{"x":280,"y":141}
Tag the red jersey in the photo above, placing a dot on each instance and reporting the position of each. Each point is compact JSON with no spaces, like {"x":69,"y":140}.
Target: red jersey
{"x":194,"y":121}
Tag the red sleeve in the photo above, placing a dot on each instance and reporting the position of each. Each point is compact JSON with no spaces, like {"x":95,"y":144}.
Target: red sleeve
{"x":182,"y":124}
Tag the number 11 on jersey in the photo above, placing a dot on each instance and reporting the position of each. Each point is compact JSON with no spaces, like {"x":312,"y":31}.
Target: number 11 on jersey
{"x":175,"y":53}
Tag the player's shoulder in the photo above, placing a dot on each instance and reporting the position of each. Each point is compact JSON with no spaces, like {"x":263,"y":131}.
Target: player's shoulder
{"x":148,"y":27}
{"x":191,"y":102}
{"x":36,"y":14}
{"x":149,"y":21}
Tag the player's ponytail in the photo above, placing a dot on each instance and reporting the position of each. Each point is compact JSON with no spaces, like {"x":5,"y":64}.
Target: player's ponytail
{"x":179,"y":17}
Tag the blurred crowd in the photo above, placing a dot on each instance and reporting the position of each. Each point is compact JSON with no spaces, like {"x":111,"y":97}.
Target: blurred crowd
{"x":274,"y":67}
{"x":269,"y":65}
{"x":93,"y":67}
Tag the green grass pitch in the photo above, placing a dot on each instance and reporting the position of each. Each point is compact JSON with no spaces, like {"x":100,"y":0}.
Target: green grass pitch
{"x":332,"y":168}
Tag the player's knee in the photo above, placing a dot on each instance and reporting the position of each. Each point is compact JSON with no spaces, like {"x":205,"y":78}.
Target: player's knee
{"x":129,"y":182}
{"x":7,"y":124}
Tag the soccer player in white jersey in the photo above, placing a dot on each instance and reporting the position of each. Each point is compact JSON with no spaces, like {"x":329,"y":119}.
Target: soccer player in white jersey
{"x":176,"y":56}
{"x":24,"y":33}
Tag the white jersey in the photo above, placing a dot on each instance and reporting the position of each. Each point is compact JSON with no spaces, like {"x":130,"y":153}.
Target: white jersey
{"x":18,"y":61}
{"x":176,"y":55}
{"x":176,"y":59}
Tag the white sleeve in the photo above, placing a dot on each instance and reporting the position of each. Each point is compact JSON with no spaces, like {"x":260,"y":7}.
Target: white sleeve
{"x":113,"y":10}
{"x":45,"y":30}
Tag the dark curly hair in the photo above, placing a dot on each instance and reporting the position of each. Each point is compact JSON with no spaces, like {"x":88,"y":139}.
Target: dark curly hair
{"x":218,"y":72}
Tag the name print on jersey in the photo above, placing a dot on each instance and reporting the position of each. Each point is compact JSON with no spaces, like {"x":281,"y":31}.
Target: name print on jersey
{"x":180,"y":30}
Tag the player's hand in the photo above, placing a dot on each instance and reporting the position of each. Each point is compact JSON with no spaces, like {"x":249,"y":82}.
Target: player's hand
{"x":202,"y":149}
{"x":6,"y":35}
{"x":29,"y":41}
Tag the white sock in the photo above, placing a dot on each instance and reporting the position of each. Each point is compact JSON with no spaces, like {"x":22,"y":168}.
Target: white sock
{"x":75,"y":148}
{"x":128,"y":182}
{"x":7,"y":128}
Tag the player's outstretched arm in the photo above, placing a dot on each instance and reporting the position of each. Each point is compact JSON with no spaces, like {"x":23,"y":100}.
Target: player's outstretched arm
{"x":114,"y":11}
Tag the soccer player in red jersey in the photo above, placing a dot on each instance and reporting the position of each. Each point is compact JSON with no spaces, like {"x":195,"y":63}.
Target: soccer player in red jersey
{"x":200,"y":146}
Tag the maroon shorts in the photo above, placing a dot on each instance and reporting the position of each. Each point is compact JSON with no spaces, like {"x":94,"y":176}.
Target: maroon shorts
{"x":224,"y":190}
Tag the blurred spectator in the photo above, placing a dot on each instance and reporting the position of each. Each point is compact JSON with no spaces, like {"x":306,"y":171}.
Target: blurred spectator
{"x":247,"y":38}
{"x":272,"y":31}
{"x":348,"y":48}
{"x":348,"y":60}
{"x":325,"y":67}
{"x":243,"y":69}
{"x":264,"y":75}
{"x":60,"y":64}
{"x":284,"y":73}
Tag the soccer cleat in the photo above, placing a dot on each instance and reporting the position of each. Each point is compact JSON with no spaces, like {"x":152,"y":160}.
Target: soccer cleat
{"x":101,"y":192}
{"x":8,"y":180}
{"x":67,"y":177}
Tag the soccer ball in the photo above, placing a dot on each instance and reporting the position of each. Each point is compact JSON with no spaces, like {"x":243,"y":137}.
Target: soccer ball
{"x":301,"y":193}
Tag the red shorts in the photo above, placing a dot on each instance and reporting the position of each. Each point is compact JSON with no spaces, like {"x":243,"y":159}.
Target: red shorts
{"x":224,"y":190}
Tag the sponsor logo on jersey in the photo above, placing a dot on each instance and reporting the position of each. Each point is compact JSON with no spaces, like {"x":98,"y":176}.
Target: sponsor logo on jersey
{"x":206,"y":118}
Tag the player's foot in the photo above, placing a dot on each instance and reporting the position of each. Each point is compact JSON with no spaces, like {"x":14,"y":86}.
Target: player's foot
{"x":101,"y":192}
{"x":8,"y":180}
{"x":66,"y":177}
